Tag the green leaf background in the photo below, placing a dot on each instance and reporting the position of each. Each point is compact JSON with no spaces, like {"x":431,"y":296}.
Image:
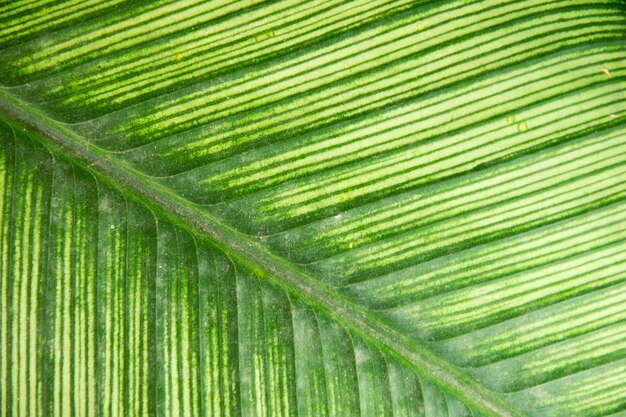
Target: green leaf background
{"x":313,"y":208}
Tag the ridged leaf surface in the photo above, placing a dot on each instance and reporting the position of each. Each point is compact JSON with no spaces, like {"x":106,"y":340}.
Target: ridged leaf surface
{"x":313,"y":208}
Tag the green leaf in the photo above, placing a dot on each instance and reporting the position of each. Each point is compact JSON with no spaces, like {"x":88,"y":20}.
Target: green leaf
{"x":303,"y":208}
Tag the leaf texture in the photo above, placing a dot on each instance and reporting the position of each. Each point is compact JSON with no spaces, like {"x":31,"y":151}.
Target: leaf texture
{"x":321,"y":208}
{"x":109,"y":310}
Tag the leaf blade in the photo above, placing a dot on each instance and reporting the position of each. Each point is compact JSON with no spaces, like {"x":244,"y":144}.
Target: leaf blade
{"x":376,"y":138}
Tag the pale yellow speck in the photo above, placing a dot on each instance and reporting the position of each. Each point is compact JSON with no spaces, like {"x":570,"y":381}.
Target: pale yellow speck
{"x":522,"y":127}
{"x":510,"y":119}
{"x":420,"y":26}
{"x":606,"y":71}
{"x":265,"y":35}
{"x":350,"y":245}
{"x":179,"y":57}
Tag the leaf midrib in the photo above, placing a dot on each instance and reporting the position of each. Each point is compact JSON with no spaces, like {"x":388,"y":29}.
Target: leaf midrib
{"x":68,"y":145}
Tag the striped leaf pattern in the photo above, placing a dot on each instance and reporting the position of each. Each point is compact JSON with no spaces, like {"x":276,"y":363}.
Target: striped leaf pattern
{"x":288,"y":207}
{"x":108,"y":310}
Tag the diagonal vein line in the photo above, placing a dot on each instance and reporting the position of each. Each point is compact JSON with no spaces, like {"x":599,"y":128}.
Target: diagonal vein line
{"x":69,"y":145}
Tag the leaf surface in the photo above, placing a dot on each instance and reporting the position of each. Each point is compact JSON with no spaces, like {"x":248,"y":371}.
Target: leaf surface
{"x":293,"y":208}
